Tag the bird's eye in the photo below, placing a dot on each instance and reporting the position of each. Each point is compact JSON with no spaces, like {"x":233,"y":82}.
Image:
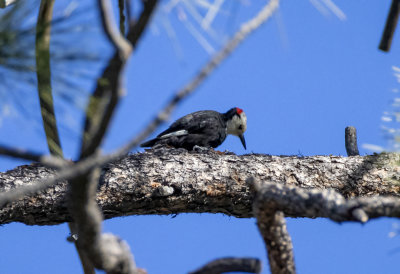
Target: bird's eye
{"x":240,"y":127}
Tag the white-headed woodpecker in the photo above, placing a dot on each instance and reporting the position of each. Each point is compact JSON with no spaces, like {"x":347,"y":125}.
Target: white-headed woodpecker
{"x":206,"y":128}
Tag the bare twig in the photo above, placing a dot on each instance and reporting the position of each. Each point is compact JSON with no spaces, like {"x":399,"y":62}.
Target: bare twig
{"x":116,"y":37}
{"x":351,"y":141}
{"x":46,"y":160}
{"x":136,"y":31}
{"x":121,"y":7}
{"x":390,"y":27}
{"x":129,"y":12}
{"x":230,"y":264}
{"x":272,"y":226}
{"x":43,"y":72}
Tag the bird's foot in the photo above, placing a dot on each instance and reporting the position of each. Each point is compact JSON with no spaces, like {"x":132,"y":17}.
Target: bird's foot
{"x":161,"y":146}
{"x":202,"y":149}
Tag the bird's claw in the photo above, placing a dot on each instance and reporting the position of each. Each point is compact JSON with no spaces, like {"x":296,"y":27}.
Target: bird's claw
{"x":201,"y":149}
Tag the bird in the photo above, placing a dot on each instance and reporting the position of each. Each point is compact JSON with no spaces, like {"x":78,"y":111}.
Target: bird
{"x":205,"y":128}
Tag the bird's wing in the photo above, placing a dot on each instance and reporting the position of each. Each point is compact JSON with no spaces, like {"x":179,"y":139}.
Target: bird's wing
{"x":196,"y":122}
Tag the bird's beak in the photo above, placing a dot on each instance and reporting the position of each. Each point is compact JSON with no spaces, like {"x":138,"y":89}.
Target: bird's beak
{"x":242,"y":140}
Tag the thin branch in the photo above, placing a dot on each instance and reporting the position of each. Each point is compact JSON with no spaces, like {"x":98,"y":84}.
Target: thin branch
{"x":116,"y":38}
{"x":351,"y":141}
{"x":129,"y":12}
{"x":230,"y":264}
{"x":390,"y":27}
{"x":121,"y":8}
{"x":46,"y":160}
{"x":43,"y":72}
{"x":136,"y":31}
{"x":21,"y":154}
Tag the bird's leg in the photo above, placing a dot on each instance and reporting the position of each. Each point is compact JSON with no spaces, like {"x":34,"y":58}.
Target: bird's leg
{"x":161,"y":146}
{"x":202,"y":149}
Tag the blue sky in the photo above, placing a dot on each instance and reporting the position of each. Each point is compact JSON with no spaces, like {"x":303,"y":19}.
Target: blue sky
{"x":301,"y":79}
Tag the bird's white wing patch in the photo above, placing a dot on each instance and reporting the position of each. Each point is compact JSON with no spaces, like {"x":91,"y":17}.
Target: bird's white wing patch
{"x":175,"y":133}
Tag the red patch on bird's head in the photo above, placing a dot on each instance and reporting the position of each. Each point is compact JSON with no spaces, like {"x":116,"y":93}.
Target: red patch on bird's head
{"x":239,"y":110}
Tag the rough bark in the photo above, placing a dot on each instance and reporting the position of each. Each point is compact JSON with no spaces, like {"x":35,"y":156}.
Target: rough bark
{"x":170,"y":181}
{"x":326,"y":203}
{"x":276,"y":237}
{"x":272,"y":226}
{"x":351,"y":141}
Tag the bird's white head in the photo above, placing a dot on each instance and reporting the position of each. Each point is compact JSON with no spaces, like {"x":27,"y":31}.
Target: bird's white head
{"x":236,"y":124}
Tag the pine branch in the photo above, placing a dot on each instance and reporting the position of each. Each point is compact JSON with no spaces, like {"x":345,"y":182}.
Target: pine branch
{"x":175,"y":181}
{"x":43,"y":72}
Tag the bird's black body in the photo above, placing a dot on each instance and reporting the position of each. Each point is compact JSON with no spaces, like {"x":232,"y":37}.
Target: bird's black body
{"x":205,"y":128}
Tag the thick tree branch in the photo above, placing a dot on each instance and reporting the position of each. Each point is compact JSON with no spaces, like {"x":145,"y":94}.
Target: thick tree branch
{"x":169,"y":181}
{"x":272,"y":226}
{"x":326,"y":203}
{"x":229,"y":264}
